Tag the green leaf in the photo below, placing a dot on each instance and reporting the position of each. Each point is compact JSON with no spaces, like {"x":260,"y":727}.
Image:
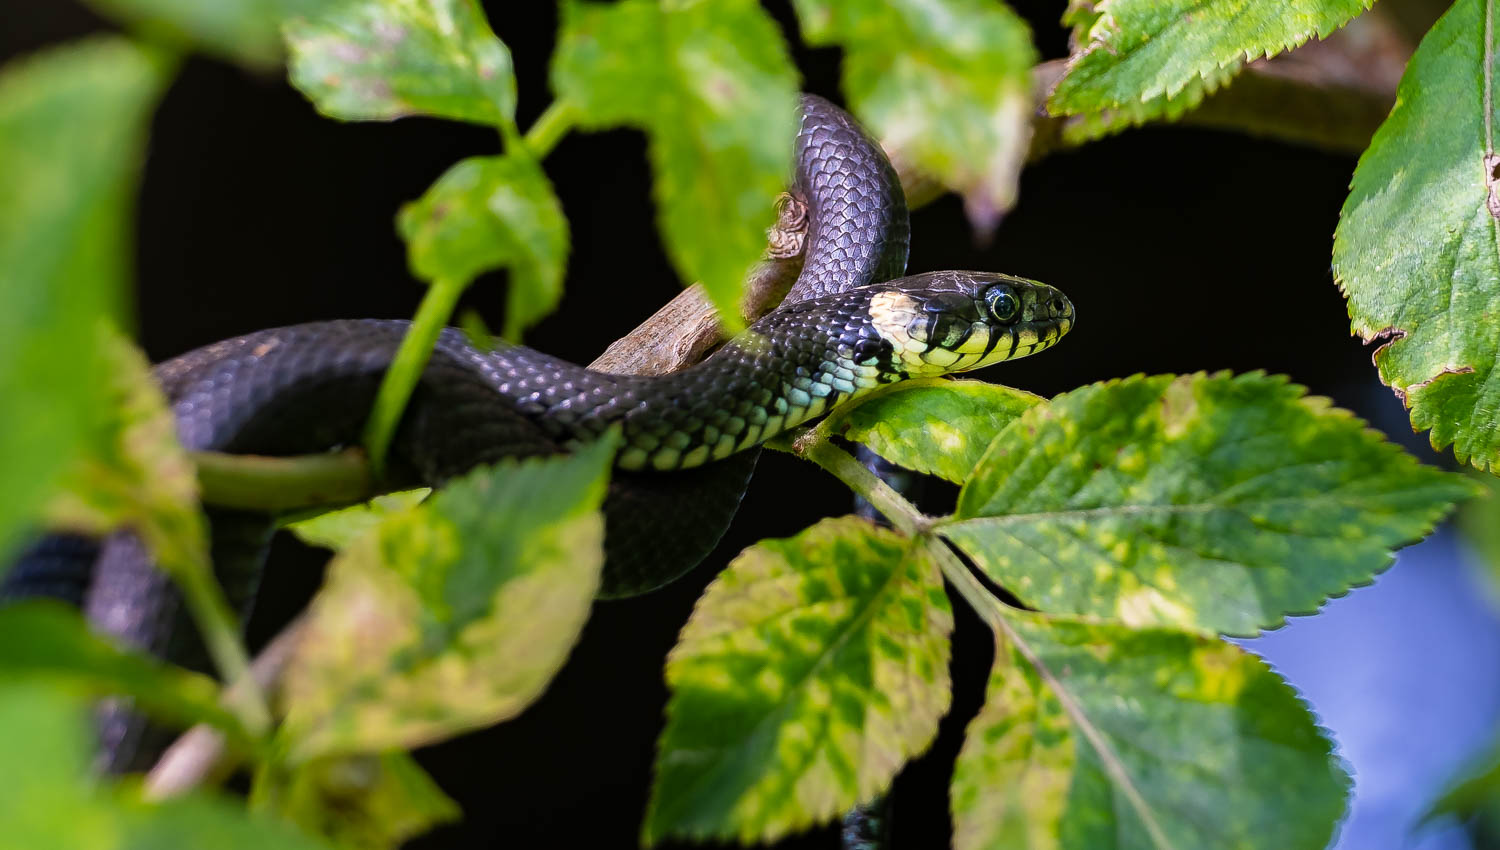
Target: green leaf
{"x":247,"y":31}
{"x":945,"y":85}
{"x":50,"y":642}
{"x":368,"y":802}
{"x":135,"y":473}
{"x":72,"y":129}
{"x":338,"y":529}
{"x":1096,"y":737}
{"x":811,"y":670}
{"x":486,"y":213}
{"x":1415,"y":249}
{"x":375,"y":60}
{"x":931,"y":425}
{"x":1143,"y":59}
{"x":59,"y":802}
{"x":1221,"y":503}
{"x":453,"y":614}
{"x":714,"y":89}
{"x":1479,"y":522}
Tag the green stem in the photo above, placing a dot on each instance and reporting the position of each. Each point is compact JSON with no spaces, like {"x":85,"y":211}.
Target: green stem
{"x":406,"y":369}
{"x":903,"y":515}
{"x":278,"y":484}
{"x":549,"y":128}
{"x":221,"y":635}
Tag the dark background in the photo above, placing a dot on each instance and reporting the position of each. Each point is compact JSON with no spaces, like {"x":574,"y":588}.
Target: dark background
{"x":1183,"y":250}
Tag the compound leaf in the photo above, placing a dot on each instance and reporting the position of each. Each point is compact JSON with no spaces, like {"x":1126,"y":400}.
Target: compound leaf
{"x":1415,"y":251}
{"x":714,"y":89}
{"x":946,"y":87}
{"x":72,"y":130}
{"x":486,"y":213}
{"x":382,"y":59}
{"x":1100,"y":737}
{"x":1220,"y":503}
{"x":931,"y":425}
{"x":811,"y":670}
{"x":452,"y":614}
{"x":1144,"y":59}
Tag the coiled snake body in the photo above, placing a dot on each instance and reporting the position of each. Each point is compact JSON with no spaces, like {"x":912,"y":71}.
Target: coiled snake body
{"x":688,"y":437}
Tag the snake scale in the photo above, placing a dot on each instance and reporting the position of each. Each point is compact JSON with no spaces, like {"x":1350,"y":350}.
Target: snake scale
{"x":690,"y":438}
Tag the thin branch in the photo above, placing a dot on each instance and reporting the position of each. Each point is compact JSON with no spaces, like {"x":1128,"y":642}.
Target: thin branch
{"x":279,"y":484}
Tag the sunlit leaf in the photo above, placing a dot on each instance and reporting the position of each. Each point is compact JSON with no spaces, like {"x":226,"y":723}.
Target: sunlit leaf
{"x":55,"y":801}
{"x":712,"y":86}
{"x":363,"y":60}
{"x":811,"y":670}
{"x":452,"y":614}
{"x":50,"y":642}
{"x":932,"y":425}
{"x":1210,"y":502}
{"x":1415,"y":250}
{"x":945,"y":86}
{"x":72,"y":129}
{"x":1100,"y":737}
{"x":487,"y":213}
{"x":367,"y":801}
{"x":247,"y":31}
{"x":337,"y":529}
{"x":134,"y":473}
{"x":1145,"y":59}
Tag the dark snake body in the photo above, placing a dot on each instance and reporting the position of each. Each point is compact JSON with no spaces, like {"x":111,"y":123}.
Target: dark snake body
{"x":689,"y":438}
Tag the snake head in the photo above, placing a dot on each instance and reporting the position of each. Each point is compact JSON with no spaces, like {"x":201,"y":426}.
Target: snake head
{"x":955,"y":321}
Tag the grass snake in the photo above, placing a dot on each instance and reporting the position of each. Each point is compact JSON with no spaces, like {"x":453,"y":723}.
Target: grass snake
{"x":848,"y":325}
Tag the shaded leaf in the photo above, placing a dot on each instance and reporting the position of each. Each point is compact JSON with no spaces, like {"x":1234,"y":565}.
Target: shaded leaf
{"x":336,"y":530}
{"x":714,"y":89}
{"x":247,"y":31}
{"x":62,"y":804}
{"x":932,"y":425}
{"x":1095,"y":736}
{"x":486,"y":213}
{"x":1415,"y":249}
{"x":72,"y":128}
{"x":811,"y":670}
{"x":1144,"y":59}
{"x":134,"y":473}
{"x":1221,"y":503}
{"x":946,"y":87}
{"x":381,"y":59}
{"x":367,"y":802}
{"x":453,"y":614}
{"x":51,"y":642}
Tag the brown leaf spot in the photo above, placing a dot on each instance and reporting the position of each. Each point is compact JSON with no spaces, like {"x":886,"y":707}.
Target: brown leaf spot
{"x":1385,"y":336}
{"x":1491,"y":178}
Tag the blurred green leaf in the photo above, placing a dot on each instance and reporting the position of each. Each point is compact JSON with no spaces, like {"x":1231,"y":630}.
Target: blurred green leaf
{"x":50,"y":642}
{"x":932,"y":425}
{"x":135,"y":473}
{"x":364,"y":60}
{"x":1415,"y":250}
{"x":452,"y":614}
{"x":714,"y":89}
{"x":945,"y":85}
{"x":72,"y":129}
{"x":1095,"y":737}
{"x":370,"y":802}
{"x":1479,"y":522}
{"x":55,"y":801}
{"x":492,"y":212}
{"x":338,"y":529}
{"x":811,"y":670}
{"x":1220,"y":503}
{"x":247,"y":31}
{"x":1145,"y":59}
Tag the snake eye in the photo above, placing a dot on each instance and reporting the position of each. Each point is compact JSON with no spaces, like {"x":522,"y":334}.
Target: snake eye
{"x":1002,"y":303}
